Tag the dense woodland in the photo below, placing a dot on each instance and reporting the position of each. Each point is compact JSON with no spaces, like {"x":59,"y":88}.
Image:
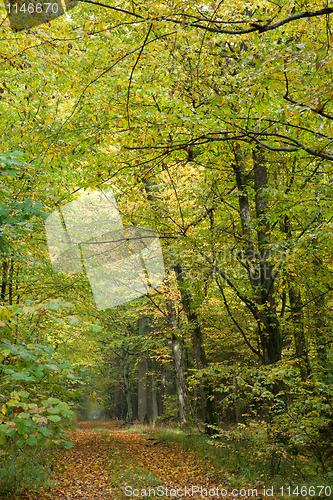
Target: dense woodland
{"x":212,"y":122}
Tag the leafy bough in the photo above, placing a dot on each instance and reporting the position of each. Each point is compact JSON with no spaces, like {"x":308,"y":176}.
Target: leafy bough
{"x":34,"y":405}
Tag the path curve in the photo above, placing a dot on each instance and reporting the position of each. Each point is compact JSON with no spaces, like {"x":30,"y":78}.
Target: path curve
{"x":83,"y":472}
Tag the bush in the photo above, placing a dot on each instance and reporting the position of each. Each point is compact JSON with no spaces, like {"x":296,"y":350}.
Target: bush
{"x":23,"y":471}
{"x":31,"y":414}
{"x":36,"y":386}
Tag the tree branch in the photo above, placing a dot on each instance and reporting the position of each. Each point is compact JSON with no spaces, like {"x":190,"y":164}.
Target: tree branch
{"x":314,"y":110}
{"x":124,"y":11}
{"x":261,"y":28}
{"x":132,"y":72}
{"x":257,"y":353}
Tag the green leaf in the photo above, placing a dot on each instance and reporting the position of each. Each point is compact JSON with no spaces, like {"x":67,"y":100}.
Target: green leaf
{"x":67,"y":444}
{"x":21,"y":376}
{"x":45,"y":431}
{"x":73,"y":320}
{"x":53,"y":410}
{"x":23,"y":415}
{"x":54,"y":418}
{"x":23,"y":394}
{"x":32,"y":440}
{"x":96,"y":328}
{"x":52,"y":367}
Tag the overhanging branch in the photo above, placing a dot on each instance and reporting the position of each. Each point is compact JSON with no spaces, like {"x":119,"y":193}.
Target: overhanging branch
{"x":199,"y":22}
{"x":235,"y":321}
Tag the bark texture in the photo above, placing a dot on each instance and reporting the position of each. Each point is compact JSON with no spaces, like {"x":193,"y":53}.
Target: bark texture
{"x":258,"y":257}
{"x":126,"y":384}
{"x":178,"y":363}
{"x":208,"y":397}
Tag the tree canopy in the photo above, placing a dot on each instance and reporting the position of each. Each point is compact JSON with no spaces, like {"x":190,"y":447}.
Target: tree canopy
{"x":211,"y":122}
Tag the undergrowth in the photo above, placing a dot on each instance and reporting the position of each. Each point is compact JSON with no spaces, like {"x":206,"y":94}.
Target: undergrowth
{"x":22,"y":472}
{"x":243,"y":455}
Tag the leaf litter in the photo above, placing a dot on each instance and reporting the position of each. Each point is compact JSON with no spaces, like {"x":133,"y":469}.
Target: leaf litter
{"x":105,"y":459}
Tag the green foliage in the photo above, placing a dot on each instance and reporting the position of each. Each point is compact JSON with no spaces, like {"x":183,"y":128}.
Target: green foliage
{"x":37,"y":390}
{"x":287,"y":422}
{"x":305,"y":430}
{"x":9,"y":161}
{"x":34,"y":383}
{"x":24,"y":470}
{"x":15,"y":215}
{"x":167,"y":101}
{"x":246,"y":454}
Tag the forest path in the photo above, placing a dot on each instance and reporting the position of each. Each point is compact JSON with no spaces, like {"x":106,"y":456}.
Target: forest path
{"x":108,"y":462}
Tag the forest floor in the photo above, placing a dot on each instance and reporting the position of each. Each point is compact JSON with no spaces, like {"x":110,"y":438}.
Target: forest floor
{"x":110,"y":462}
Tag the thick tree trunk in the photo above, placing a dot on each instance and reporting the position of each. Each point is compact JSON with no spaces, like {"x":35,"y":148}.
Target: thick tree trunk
{"x":142,"y":390}
{"x":117,"y":391}
{"x":261,"y":274}
{"x":4,"y":280}
{"x":245,"y":216}
{"x":143,"y":377}
{"x":299,"y":334}
{"x":154,"y":407}
{"x":269,"y":327}
{"x":319,"y":317}
{"x":208,"y":397}
{"x":297,"y":317}
{"x":180,"y":380}
{"x":10,"y":282}
{"x":162,"y":391}
{"x":234,"y":395}
{"x":126,"y":384}
{"x":178,"y":363}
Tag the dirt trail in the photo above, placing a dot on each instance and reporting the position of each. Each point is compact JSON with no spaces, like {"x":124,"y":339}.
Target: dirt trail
{"x":83,"y":471}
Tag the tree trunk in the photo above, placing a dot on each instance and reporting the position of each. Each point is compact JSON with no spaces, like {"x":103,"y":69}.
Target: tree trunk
{"x":154,"y":407}
{"x":245,"y":215}
{"x":152,"y":411}
{"x":208,"y":397}
{"x":5,"y":267}
{"x":142,"y":390}
{"x":178,"y":363}
{"x":126,"y":384}
{"x":299,"y":334}
{"x":319,"y":316}
{"x":180,"y":380}
{"x":261,"y":274}
{"x":297,"y":317}
{"x":143,"y":377}
{"x":162,"y":391}
{"x":117,"y":391}
{"x":151,"y":189}
{"x":269,"y":327}
{"x":10,"y":282}
{"x":234,"y":395}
